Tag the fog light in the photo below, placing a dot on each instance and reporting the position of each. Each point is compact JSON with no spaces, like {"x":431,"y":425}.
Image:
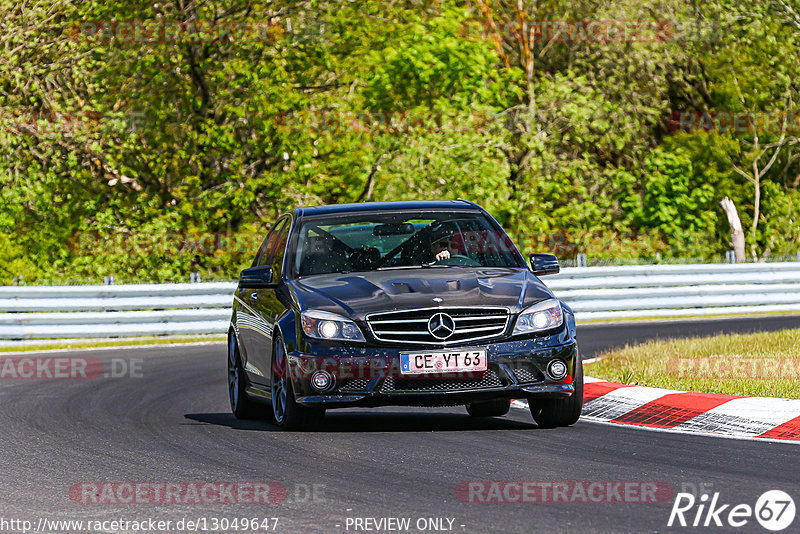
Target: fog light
{"x":321,"y":380}
{"x":557,"y":369}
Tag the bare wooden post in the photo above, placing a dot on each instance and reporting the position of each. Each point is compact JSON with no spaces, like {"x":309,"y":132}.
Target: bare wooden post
{"x":737,"y":234}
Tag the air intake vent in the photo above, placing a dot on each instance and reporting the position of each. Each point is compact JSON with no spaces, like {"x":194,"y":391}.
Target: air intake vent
{"x":490,"y":380}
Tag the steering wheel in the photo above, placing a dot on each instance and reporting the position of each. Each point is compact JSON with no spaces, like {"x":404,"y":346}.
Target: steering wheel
{"x":459,"y":259}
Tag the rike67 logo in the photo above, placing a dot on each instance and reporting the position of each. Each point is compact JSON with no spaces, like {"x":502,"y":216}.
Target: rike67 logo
{"x":774,"y":510}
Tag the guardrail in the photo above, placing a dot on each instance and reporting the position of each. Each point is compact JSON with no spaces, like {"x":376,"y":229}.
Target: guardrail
{"x":595,"y":293}
{"x":28,"y":312}
{"x":603,"y":293}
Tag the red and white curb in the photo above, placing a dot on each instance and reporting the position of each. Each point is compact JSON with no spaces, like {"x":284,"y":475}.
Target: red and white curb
{"x":687,"y":412}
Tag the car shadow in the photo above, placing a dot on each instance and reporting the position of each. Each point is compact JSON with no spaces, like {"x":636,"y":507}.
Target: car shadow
{"x":374,"y":422}
{"x":228,"y":420}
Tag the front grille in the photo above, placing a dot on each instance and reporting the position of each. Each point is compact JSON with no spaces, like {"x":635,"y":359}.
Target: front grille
{"x":490,"y":380}
{"x":411,"y":326}
{"x":356,"y":384}
{"x":525,"y":375}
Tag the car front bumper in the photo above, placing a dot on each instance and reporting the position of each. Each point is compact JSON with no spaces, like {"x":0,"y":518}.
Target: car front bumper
{"x":370,"y":377}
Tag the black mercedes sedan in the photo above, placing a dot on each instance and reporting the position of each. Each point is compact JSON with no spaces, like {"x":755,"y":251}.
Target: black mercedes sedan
{"x":423,"y":303}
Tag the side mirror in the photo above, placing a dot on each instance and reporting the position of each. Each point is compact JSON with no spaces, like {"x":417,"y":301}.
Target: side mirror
{"x":542,"y":264}
{"x":259,"y":277}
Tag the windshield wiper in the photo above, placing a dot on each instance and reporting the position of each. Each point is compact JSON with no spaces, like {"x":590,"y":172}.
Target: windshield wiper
{"x":398,"y":267}
{"x":418,"y":266}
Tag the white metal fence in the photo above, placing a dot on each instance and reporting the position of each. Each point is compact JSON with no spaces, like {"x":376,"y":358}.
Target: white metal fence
{"x":104,"y":311}
{"x":595,"y":293}
{"x":678,"y":290}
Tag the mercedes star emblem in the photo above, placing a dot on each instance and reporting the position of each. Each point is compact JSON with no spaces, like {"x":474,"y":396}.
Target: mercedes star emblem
{"x":441,"y":326}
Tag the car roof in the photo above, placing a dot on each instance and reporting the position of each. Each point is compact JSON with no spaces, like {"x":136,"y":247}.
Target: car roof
{"x":387,"y":206}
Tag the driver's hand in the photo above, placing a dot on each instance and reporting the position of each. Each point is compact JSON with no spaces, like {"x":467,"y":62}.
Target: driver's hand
{"x":443,"y":255}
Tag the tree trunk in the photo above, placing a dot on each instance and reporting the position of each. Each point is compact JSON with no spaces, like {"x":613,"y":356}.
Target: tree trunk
{"x":757,"y":196}
{"x":737,"y":234}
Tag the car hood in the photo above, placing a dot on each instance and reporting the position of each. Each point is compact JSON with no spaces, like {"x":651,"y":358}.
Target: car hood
{"x":358,"y":294}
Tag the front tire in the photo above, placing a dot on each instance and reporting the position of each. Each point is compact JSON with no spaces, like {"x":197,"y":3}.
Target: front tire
{"x":287,"y":413}
{"x":241,"y":405}
{"x":492,"y":408}
{"x":552,"y":413}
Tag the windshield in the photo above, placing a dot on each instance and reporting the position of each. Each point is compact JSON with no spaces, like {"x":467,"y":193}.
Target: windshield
{"x":379,"y":241}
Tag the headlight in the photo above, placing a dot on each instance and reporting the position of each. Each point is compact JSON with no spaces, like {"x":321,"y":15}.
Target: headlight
{"x":326,"y":325}
{"x":542,"y":316}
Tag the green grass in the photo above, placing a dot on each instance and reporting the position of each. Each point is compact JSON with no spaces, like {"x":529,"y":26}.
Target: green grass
{"x":100,"y":343}
{"x":766,"y":364}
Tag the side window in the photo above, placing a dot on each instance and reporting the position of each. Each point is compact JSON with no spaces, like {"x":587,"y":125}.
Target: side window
{"x":266,"y":247}
{"x":280,"y":249}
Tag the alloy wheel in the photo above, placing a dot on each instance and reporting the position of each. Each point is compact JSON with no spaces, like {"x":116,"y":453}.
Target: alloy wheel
{"x":279,"y":383}
{"x":233,"y":375}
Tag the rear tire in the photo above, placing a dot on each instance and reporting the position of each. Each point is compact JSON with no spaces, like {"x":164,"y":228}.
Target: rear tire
{"x":241,"y":405}
{"x":492,"y":408}
{"x":287,"y":413}
{"x":552,"y":413}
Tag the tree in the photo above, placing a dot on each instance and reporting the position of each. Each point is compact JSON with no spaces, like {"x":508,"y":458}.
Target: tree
{"x":737,"y":233}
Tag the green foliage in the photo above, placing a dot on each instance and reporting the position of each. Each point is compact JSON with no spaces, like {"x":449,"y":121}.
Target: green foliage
{"x":780,"y":231}
{"x":675,"y":204}
{"x":13,"y":262}
{"x":149,"y":160}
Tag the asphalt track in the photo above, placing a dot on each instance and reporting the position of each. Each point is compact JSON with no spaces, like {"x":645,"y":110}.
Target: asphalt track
{"x":172,"y":424}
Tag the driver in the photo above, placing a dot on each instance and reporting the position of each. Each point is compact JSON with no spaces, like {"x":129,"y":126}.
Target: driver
{"x":440,"y":248}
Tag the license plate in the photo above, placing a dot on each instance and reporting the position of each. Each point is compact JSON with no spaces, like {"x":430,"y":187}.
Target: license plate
{"x":451,"y":361}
